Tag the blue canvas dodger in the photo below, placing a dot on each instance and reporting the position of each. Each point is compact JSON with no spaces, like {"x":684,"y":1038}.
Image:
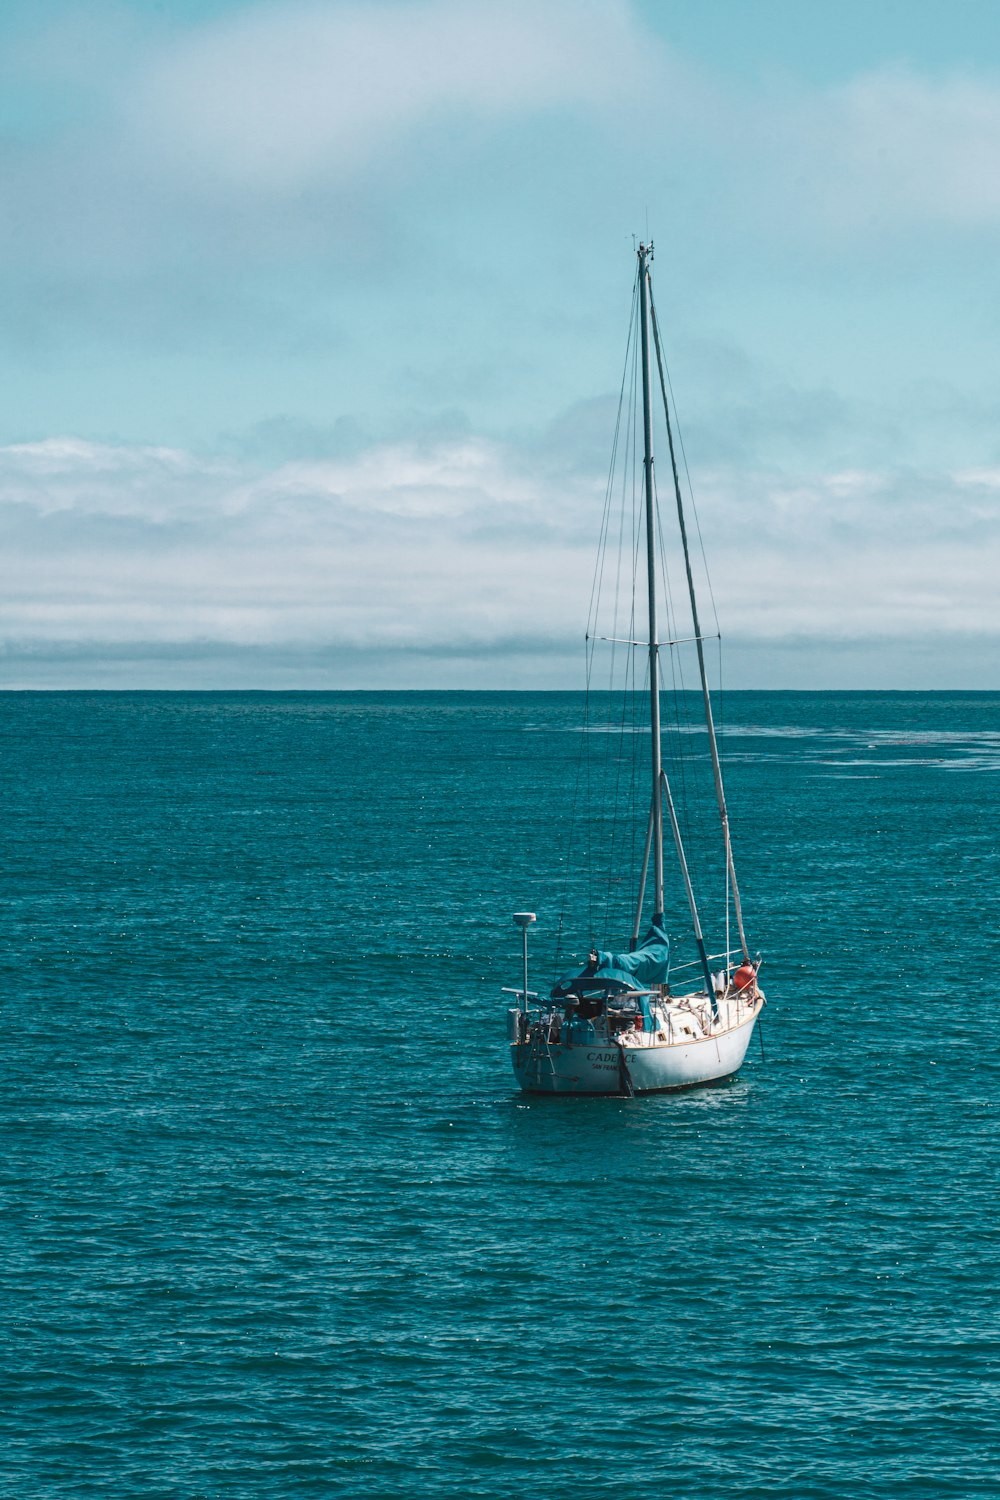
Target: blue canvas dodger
{"x":640,"y":969}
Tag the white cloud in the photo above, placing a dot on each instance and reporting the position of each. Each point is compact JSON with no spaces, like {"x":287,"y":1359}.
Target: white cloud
{"x":422,"y":550}
{"x":280,"y":96}
{"x":855,"y":555}
{"x":860,"y":161}
{"x":418,"y":483}
{"x":312,"y":131}
{"x":910,"y":149}
{"x":403,"y":546}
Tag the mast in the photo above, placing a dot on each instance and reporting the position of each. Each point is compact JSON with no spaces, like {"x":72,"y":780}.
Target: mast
{"x":720,"y":795}
{"x":645,"y":252}
{"x":661,"y":786}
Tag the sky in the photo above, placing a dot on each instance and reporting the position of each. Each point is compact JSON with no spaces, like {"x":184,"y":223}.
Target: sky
{"x":312,"y":320}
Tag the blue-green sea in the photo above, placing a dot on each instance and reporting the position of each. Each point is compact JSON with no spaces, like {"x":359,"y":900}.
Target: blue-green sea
{"x":275,"y":1221}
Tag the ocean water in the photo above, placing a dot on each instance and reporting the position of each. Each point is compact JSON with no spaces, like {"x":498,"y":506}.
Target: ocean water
{"x":275,"y":1221}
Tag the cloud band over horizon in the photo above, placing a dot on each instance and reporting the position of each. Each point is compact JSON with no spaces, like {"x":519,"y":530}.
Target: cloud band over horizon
{"x":458,"y":551}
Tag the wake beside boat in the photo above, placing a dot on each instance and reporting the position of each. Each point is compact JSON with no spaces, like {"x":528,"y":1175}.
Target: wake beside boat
{"x":633,"y":1022}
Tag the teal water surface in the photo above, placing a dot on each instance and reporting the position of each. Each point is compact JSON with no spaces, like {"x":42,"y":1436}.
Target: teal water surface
{"x":275,"y":1220}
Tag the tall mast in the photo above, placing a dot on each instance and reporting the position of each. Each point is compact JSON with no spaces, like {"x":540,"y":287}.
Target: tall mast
{"x":644,"y":253}
{"x":713,"y":746}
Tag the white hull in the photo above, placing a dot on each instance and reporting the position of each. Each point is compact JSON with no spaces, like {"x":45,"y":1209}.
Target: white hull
{"x":647,"y":1065}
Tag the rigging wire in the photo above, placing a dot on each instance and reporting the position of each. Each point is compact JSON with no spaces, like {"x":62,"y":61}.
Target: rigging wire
{"x":583,"y":765}
{"x":682,"y":803}
{"x":607,"y":792}
{"x":617,"y":789}
{"x":690,"y":490}
{"x":708,"y":579}
{"x":612,"y":757}
{"x":638,"y":712}
{"x":599,"y":561}
{"x":635,"y":719}
{"x":638,"y":717}
{"x":719,"y":738}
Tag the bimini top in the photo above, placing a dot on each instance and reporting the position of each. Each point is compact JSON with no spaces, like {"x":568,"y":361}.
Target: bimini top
{"x":645,"y":966}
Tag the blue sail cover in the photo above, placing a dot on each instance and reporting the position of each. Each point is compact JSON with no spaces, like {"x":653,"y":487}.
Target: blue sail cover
{"x":645,"y":966}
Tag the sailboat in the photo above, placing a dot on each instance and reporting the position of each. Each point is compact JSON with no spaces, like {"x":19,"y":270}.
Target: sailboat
{"x":636,"y":1021}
